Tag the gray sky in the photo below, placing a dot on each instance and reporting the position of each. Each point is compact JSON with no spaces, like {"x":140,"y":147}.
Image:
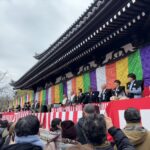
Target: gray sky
{"x":29,"y":26}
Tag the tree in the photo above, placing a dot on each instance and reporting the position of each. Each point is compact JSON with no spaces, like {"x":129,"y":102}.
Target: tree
{"x":2,"y":87}
{"x":6,"y":91}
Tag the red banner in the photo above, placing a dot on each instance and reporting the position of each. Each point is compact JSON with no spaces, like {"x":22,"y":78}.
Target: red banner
{"x":114,"y":109}
{"x":78,"y":107}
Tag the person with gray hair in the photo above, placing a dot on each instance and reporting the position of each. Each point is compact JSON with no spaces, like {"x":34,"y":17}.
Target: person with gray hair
{"x":105,"y":94}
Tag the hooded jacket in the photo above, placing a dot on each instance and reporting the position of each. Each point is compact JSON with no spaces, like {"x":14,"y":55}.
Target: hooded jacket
{"x":138,"y":136}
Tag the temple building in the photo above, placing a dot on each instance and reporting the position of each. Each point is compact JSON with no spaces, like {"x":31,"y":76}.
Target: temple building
{"x":108,"y":41}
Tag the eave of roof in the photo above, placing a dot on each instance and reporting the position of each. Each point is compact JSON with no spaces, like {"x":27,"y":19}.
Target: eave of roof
{"x":72,"y":29}
{"x":103,"y":41}
{"x":50,"y":52}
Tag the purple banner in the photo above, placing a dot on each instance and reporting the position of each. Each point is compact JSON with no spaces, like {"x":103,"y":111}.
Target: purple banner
{"x":93,"y":80}
{"x":145,"y":58}
{"x":65,"y":88}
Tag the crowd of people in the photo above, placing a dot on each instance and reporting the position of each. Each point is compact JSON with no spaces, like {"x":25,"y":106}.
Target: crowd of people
{"x":134,"y":89}
{"x":34,"y":107}
{"x":93,"y":131}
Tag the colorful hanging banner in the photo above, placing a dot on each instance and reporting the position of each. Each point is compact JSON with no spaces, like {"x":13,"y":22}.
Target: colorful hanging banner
{"x":137,"y":62}
{"x":86,"y":82}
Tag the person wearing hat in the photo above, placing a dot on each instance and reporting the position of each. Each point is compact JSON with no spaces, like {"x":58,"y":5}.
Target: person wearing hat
{"x":134,"y":87}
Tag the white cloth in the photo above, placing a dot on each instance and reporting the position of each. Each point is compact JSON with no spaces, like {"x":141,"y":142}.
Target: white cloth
{"x":72,"y":98}
{"x":64,"y":101}
{"x":103,"y":93}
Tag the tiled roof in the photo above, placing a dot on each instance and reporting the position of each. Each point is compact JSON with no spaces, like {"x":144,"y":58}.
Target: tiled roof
{"x":74,"y":28}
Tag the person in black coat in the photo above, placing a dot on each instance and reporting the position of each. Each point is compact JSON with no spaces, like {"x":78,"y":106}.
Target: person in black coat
{"x":44,"y":108}
{"x":88,"y":110}
{"x":91,"y":96}
{"x":25,"y":106}
{"x":18,"y":108}
{"x":134,"y":87}
{"x":28,"y":106}
{"x":118,"y":92}
{"x":80,"y":97}
{"x":105,"y":94}
{"x":37,"y":106}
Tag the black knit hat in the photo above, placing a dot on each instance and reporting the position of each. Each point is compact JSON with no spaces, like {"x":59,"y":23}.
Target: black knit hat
{"x":68,"y":130}
{"x":132,"y":75}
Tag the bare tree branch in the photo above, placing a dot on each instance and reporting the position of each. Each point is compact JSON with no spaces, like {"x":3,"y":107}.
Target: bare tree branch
{"x":2,"y":76}
{"x":5,"y":89}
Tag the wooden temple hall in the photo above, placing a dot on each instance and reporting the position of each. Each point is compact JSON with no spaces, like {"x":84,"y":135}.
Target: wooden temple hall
{"x":108,"y":41}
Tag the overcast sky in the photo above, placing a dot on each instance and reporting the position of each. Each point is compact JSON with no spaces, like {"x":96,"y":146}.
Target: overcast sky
{"x":29,"y":26}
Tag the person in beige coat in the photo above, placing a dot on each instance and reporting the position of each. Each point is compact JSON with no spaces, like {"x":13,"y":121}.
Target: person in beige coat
{"x":53,"y":138}
{"x":138,"y":135}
